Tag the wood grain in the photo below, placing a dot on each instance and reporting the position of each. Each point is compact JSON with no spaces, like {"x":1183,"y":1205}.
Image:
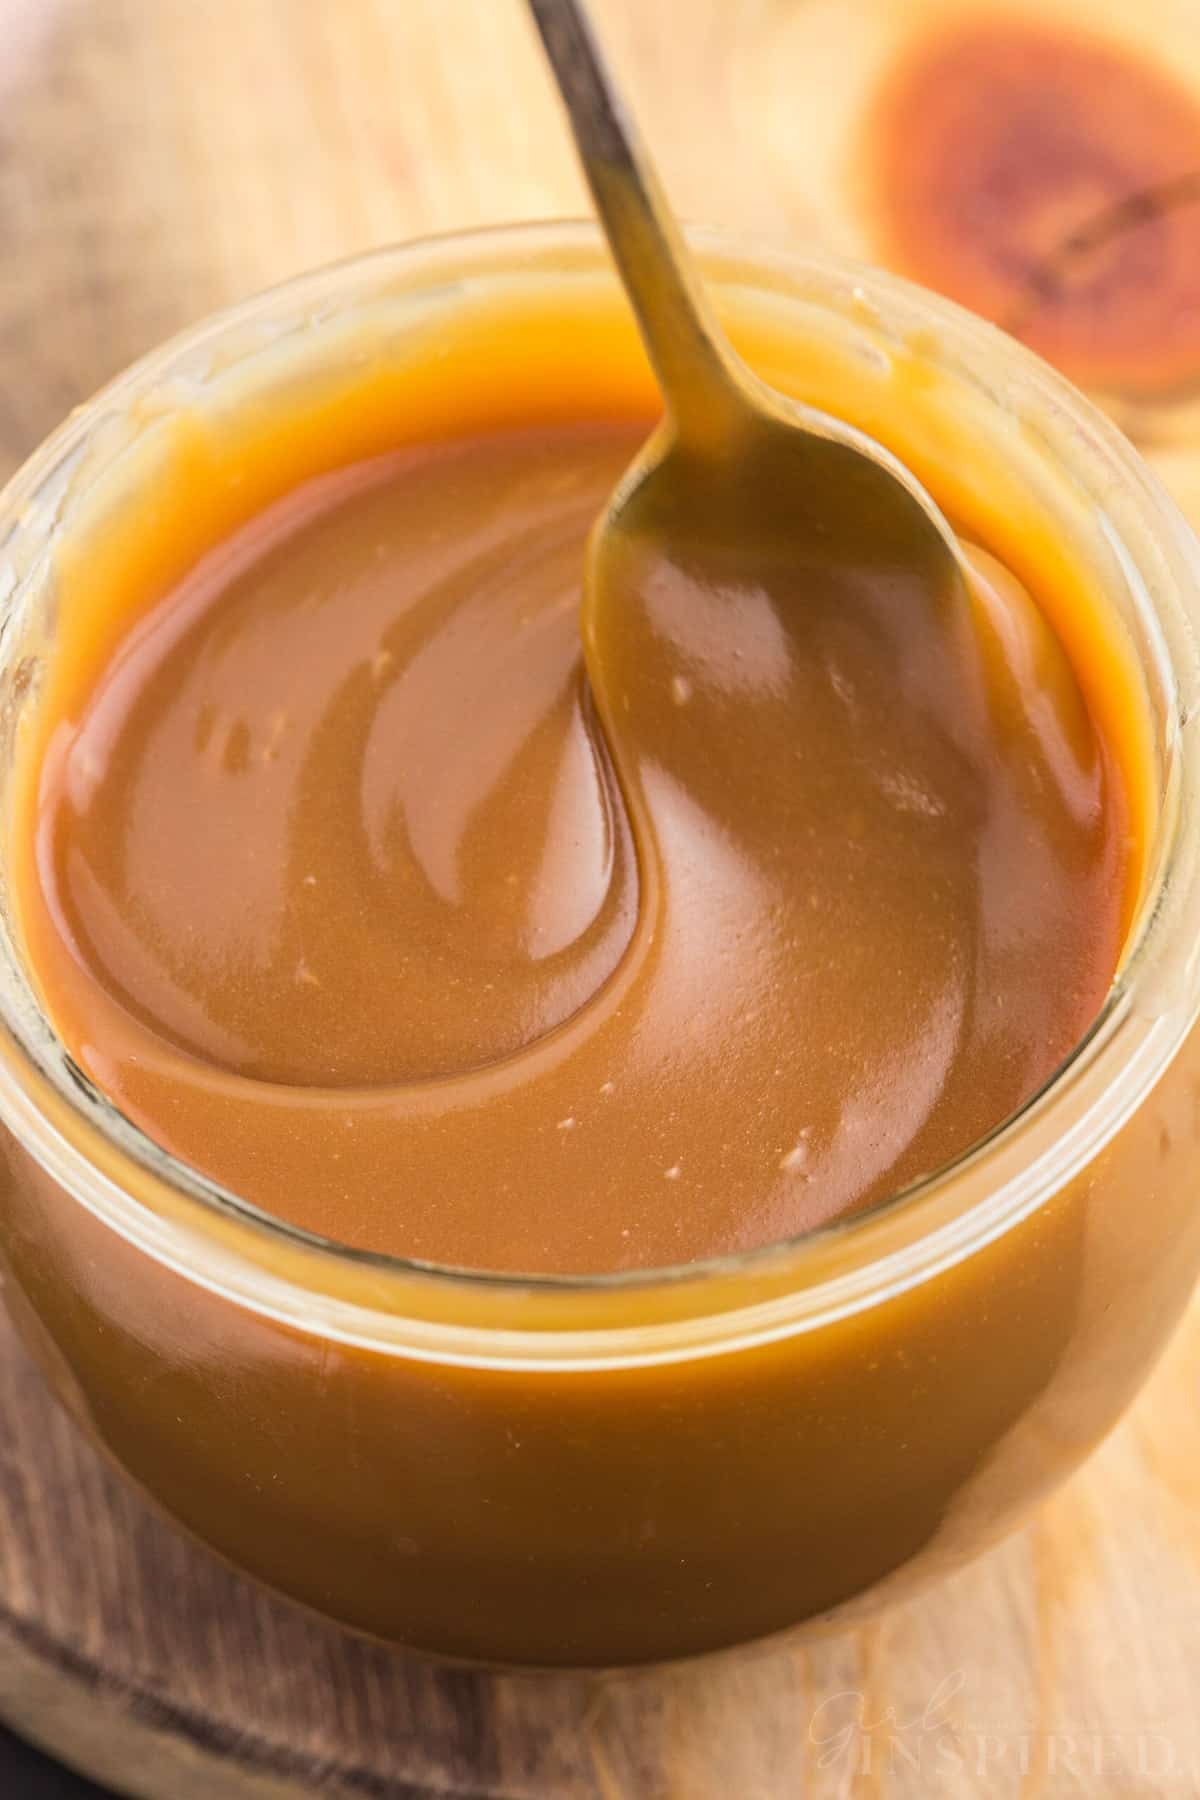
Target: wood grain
{"x":161,"y":157}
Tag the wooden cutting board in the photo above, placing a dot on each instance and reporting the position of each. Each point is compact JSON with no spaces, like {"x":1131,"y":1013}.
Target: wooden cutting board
{"x":161,"y":157}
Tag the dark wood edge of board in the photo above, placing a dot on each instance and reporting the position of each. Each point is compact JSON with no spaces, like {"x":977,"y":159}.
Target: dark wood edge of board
{"x":148,"y":1747}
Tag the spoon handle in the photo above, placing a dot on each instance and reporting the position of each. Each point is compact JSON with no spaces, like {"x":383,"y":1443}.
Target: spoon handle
{"x":697,"y":368}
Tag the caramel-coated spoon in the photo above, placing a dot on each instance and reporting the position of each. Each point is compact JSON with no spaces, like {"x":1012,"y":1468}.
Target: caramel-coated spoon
{"x":741,"y":489}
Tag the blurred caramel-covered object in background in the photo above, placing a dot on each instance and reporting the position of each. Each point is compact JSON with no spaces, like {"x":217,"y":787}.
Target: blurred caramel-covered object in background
{"x":1039,"y":164}
{"x":1047,"y":180}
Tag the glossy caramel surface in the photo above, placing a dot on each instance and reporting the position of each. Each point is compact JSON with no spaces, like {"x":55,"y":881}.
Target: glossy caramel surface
{"x":340,"y":887}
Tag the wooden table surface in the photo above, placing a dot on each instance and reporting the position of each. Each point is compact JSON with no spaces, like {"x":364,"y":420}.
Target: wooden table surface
{"x":161,"y":157}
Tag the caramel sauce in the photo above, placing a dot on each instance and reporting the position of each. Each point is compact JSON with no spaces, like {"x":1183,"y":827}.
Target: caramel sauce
{"x":332,"y":880}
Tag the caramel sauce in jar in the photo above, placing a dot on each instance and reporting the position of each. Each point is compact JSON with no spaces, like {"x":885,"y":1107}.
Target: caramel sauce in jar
{"x":327,"y":874}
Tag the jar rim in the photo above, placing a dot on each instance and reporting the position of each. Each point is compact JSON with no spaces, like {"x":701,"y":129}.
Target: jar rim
{"x":501,"y":1319}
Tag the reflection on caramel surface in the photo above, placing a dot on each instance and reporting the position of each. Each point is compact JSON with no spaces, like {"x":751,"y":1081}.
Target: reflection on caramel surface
{"x":338,"y":814}
{"x":343,"y":894}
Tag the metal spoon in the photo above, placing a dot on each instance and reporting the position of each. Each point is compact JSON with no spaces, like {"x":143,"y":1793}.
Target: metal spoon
{"x":740,"y":488}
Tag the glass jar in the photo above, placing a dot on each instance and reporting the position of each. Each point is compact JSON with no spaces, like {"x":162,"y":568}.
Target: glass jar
{"x":637,"y":1467}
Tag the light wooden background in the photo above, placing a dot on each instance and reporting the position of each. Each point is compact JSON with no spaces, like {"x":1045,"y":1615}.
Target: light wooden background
{"x":159,"y":158}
